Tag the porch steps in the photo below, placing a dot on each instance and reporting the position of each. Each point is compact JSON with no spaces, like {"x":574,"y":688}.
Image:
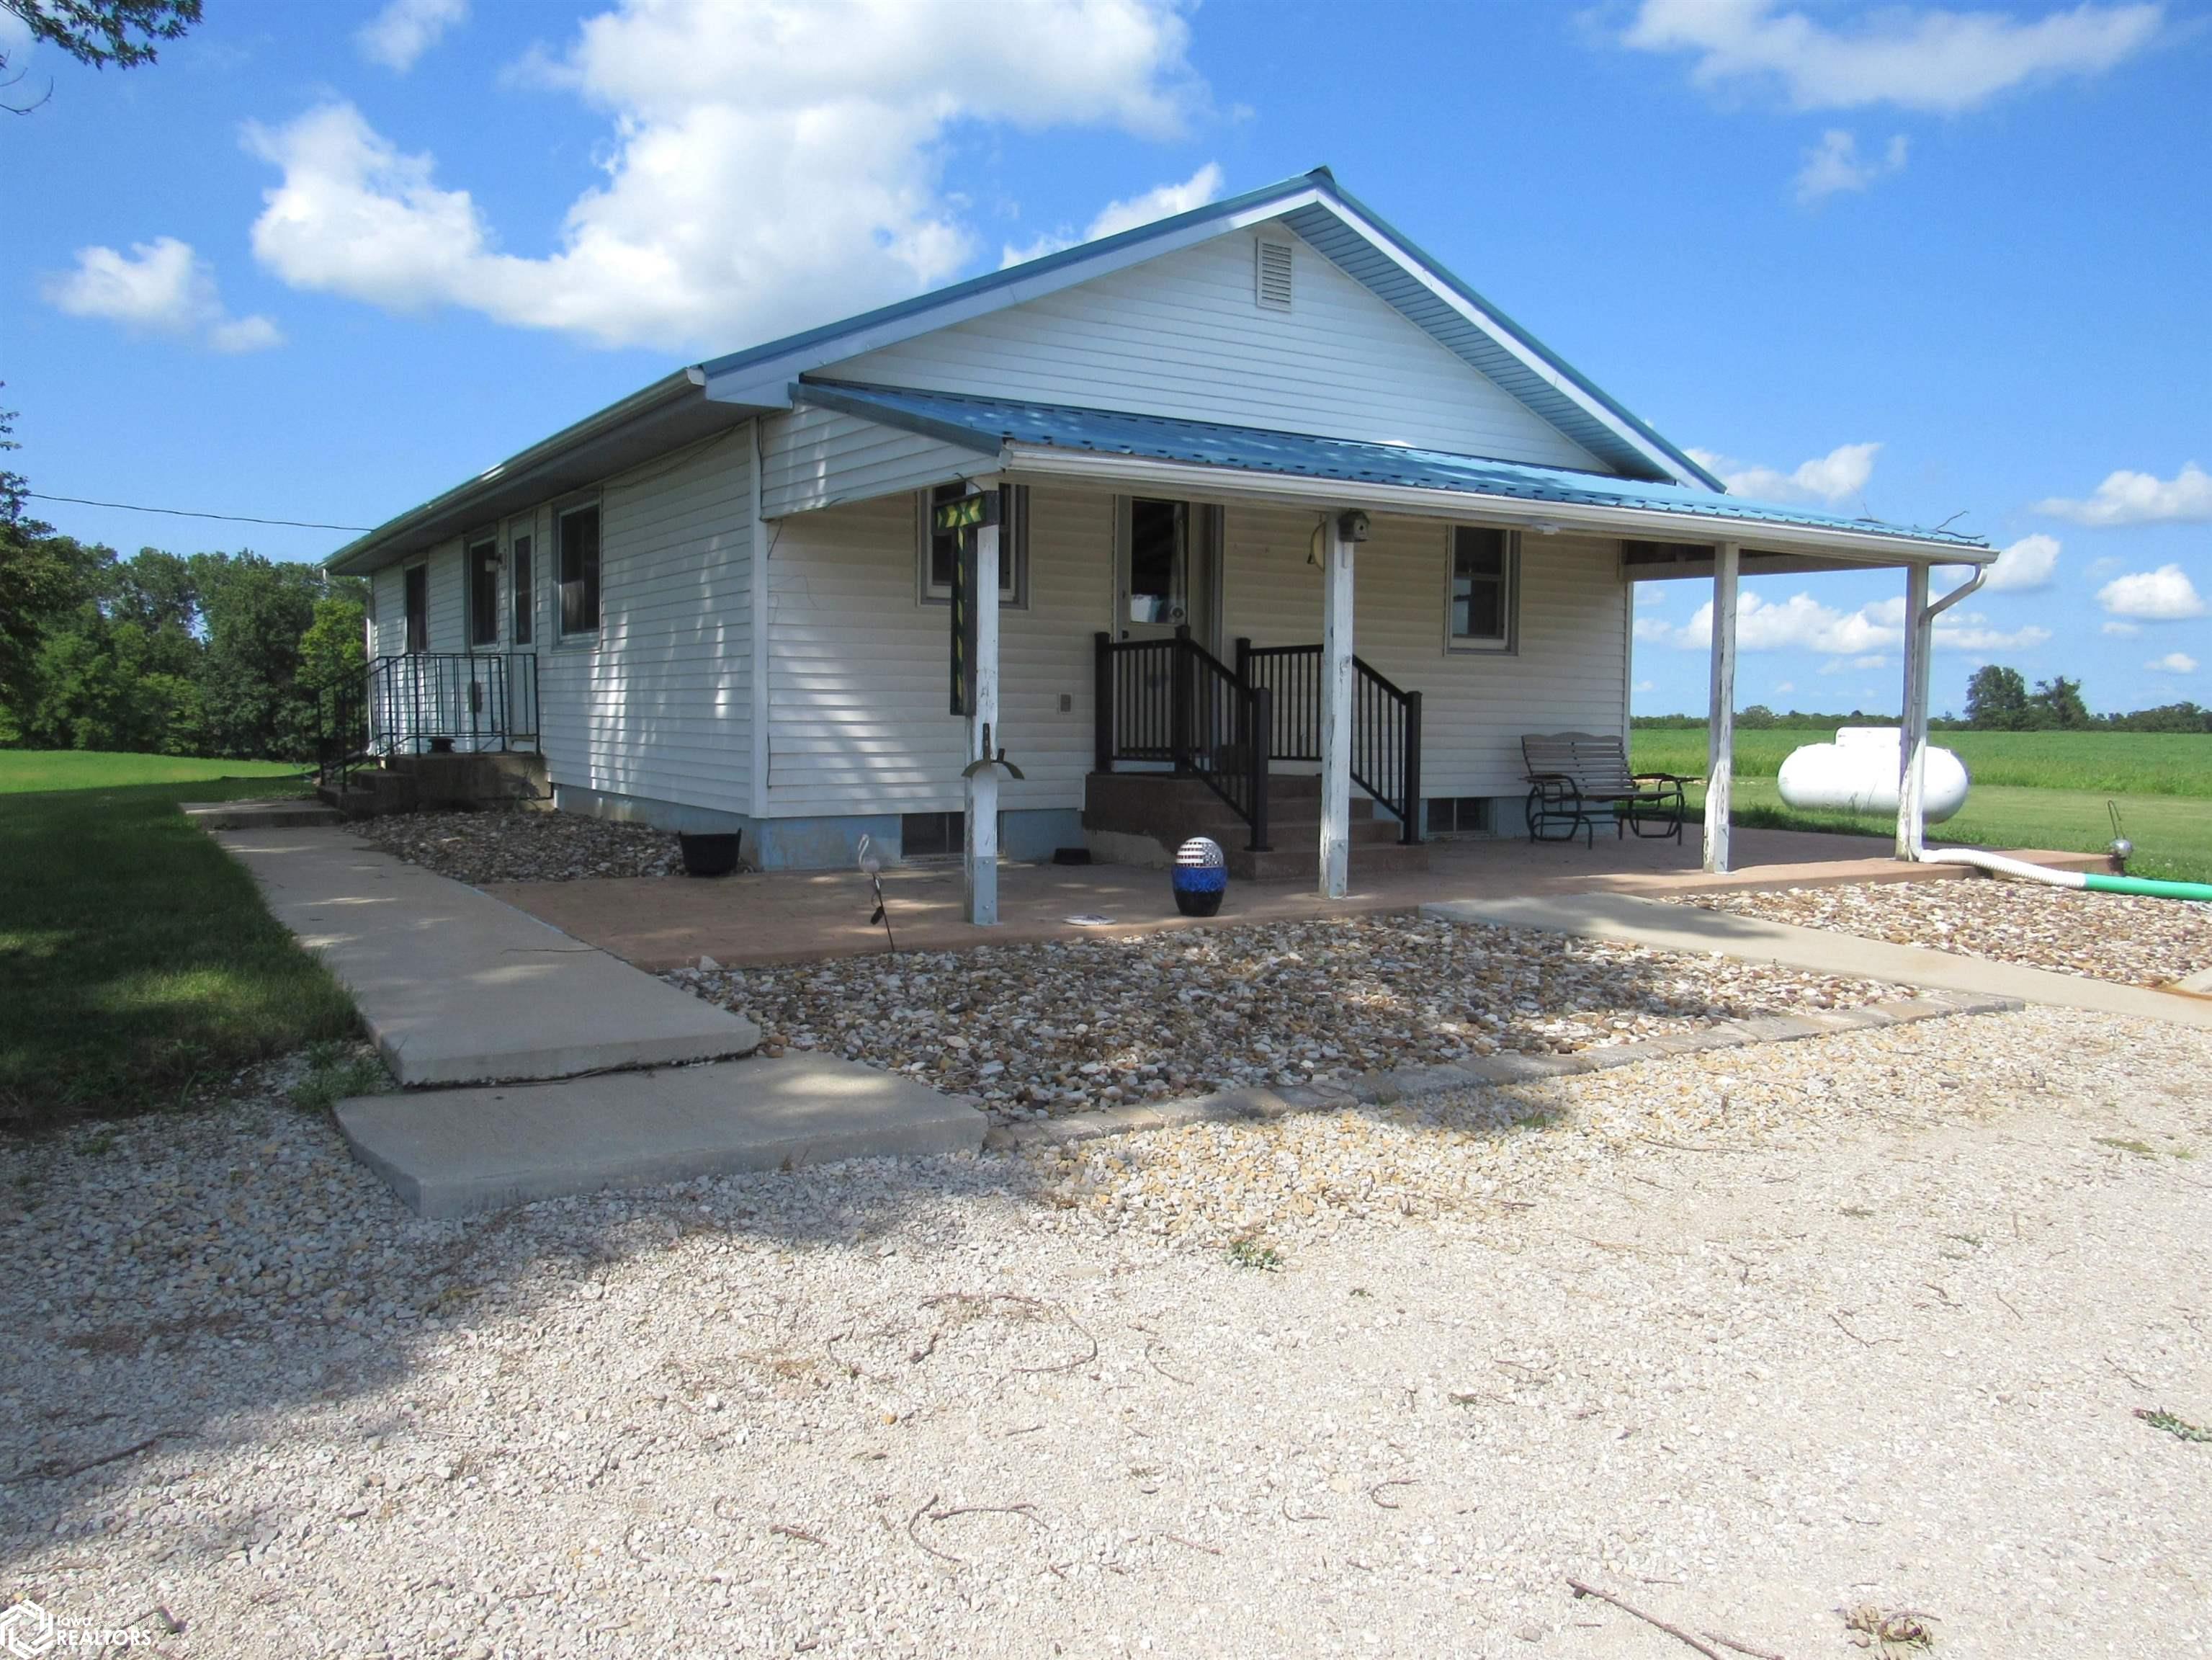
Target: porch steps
{"x":258,"y":815}
{"x":1168,"y":809}
{"x":404,"y":782}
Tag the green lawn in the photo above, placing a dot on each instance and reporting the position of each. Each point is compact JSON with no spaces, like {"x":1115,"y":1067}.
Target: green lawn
{"x":90,"y":769}
{"x":137,"y":964}
{"x":2031,"y":789}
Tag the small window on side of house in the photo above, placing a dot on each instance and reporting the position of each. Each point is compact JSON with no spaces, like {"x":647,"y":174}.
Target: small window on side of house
{"x":939,"y":550}
{"x":416,"y":603}
{"x":576,"y":532}
{"x":1483,"y":598}
{"x":483,"y":560}
{"x":523,"y":586}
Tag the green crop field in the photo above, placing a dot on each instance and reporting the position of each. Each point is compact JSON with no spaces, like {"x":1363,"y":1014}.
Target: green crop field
{"x":2031,"y":789}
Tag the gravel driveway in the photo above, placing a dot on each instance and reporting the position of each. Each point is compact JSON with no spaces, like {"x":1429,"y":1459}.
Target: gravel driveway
{"x":2101,"y":936}
{"x":1049,"y":1029}
{"x":1745,"y":1337}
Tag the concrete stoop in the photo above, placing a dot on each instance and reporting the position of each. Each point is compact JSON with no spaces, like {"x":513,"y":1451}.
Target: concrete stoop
{"x":401,"y":783}
{"x":258,"y":815}
{"x":454,"y":1153}
{"x":1146,"y":816}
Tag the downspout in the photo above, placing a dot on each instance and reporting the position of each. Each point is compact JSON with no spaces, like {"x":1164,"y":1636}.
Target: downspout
{"x":1913,"y":741}
{"x":1996,"y":864}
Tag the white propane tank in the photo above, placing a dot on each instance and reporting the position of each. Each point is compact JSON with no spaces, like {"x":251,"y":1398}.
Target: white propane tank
{"x":1857,"y":773}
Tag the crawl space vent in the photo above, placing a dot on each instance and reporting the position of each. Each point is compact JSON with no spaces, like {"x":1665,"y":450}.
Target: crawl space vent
{"x":1275,"y":292}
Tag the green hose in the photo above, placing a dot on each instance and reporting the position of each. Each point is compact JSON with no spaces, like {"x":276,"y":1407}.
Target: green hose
{"x":2147,"y":888}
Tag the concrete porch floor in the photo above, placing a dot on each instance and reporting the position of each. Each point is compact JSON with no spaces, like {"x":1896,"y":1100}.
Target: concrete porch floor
{"x":799,"y":916}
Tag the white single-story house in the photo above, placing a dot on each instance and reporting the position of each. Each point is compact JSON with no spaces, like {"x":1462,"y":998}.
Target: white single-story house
{"x":1261,"y":468}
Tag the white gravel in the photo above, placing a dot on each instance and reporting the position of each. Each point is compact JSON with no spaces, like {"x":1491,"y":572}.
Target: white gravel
{"x":1748,"y":1336}
{"x":520,"y":845}
{"x":2100,"y":936}
{"x":1057,"y":1028}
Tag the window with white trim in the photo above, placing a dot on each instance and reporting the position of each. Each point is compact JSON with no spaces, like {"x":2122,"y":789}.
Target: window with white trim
{"x":576,"y":535}
{"x":1482,"y":600}
{"x":482,"y":557}
{"x":937,"y":550}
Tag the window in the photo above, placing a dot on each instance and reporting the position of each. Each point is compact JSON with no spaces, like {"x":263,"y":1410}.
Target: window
{"x":938,"y":551}
{"x":931,"y":835}
{"x":417,"y":579}
{"x":1459,"y":815}
{"x":483,"y":558}
{"x":1481,"y":601}
{"x":524,"y":586}
{"x":577,"y":531}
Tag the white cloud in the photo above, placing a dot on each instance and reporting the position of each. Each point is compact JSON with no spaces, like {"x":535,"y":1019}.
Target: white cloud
{"x":2140,"y":498}
{"x":405,"y":29}
{"x":1917,"y":58}
{"x":1864,"y":638}
{"x":1648,"y":594}
{"x":1841,"y":473}
{"x":2174,"y":662}
{"x":2025,"y":567}
{"x":2164,"y":595}
{"x":1654,"y":628}
{"x":1162,"y":202}
{"x":1834,"y":164}
{"x":162,"y":286}
{"x":772,"y":164}
{"x":1647,"y":685}
{"x":1785,"y":686}
{"x":2122,"y":630}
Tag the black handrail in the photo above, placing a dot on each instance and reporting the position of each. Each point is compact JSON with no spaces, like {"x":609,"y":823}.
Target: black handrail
{"x":418,"y":701}
{"x":1386,"y":724}
{"x":1169,"y":699}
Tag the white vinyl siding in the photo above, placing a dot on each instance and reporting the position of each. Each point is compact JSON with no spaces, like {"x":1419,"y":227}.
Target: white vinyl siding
{"x":387,"y":615}
{"x":1570,"y":674}
{"x":818,"y":458}
{"x":655,"y":706}
{"x":859,"y":668}
{"x":448,"y":597}
{"x":1182,"y":336}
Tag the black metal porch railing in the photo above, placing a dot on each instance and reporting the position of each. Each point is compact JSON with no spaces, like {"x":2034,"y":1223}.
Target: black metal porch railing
{"x":1172,"y":702}
{"x":419,"y":702}
{"x":1386,"y":724}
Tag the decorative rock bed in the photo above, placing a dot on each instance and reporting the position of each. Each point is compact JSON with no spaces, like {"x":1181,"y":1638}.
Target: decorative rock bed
{"x":518,"y":846}
{"x":1059,"y":1028}
{"x":2100,"y":936}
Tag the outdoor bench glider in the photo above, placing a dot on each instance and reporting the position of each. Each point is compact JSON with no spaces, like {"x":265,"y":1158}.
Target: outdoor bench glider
{"x":1576,"y":777}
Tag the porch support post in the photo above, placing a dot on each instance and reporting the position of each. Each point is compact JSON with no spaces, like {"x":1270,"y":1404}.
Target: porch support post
{"x":984,"y":737}
{"x":1336,"y":716}
{"x":757,"y":692}
{"x":1720,"y":753}
{"x":1912,"y":739}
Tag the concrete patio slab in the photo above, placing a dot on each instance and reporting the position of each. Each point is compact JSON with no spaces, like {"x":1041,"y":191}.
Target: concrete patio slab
{"x":1666,"y":927}
{"x":455,"y":1152}
{"x":457,"y":988}
{"x":804,"y":916}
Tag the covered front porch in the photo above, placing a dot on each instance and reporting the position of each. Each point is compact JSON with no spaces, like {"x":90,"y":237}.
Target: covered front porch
{"x":778,"y":917}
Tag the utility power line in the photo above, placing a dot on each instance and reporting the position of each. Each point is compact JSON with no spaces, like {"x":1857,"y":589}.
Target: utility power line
{"x":187,"y":513}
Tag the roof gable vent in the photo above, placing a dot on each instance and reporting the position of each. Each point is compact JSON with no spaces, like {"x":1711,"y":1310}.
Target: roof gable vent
{"x":1273,"y":290}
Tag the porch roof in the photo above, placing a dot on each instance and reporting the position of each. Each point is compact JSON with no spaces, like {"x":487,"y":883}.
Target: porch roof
{"x":1048,"y":438}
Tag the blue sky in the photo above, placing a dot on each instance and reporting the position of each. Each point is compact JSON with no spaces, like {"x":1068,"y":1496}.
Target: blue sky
{"x":324,"y":261}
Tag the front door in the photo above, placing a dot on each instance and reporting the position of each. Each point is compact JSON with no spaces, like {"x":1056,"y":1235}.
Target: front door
{"x":1165,"y":571}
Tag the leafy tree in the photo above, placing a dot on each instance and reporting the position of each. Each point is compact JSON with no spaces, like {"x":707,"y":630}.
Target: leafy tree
{"x":1997,"y":698}
{"x":333,"y":651}
{"x":256,"y":609}
{"x":2058,"y":702}
{"x":98,"y":32}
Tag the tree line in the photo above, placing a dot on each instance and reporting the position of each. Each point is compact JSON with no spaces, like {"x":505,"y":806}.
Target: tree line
{"x":208,"y":654}
{"x":1997,"y":700}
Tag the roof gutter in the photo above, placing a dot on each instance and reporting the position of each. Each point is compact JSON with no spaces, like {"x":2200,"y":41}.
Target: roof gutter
{"x":661,"y":394}
{"x":1870,"y":548}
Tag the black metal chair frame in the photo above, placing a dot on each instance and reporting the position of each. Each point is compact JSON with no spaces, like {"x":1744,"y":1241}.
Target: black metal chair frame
{"x":1650,"y":804}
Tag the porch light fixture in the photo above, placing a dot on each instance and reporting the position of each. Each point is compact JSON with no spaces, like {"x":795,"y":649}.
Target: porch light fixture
{"x":1546,"y":527}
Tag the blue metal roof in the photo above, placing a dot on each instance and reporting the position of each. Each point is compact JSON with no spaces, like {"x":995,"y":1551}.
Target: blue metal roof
{"x":1381,"y":270}
{"x":983,"y":424}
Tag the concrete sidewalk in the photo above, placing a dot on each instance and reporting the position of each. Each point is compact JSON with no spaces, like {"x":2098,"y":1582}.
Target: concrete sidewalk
{"x":453,"y":1153}
{"x":457,"y":988}
{"x":1678,"y":927}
